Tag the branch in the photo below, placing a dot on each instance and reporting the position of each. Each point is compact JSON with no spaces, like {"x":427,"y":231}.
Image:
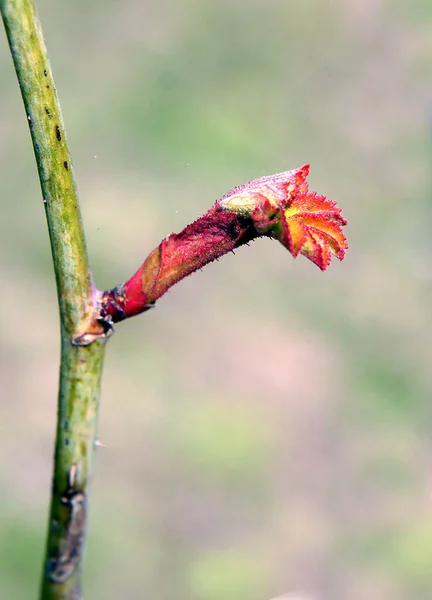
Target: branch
{"x":278,"y":206}
{"x":81,"y":367}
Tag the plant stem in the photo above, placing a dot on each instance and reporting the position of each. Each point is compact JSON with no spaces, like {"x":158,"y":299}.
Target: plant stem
{"x":81,"y":367}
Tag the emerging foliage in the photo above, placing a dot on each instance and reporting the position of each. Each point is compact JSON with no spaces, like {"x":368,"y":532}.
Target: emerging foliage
{"x":301,"y":220}
{"x":277,"y":206}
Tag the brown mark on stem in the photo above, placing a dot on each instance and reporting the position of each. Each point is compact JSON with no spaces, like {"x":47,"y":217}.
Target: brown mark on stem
{"x":63,"y":566}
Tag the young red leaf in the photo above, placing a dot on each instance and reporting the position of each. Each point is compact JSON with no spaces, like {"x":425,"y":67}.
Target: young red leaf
{"x":302,"y":220}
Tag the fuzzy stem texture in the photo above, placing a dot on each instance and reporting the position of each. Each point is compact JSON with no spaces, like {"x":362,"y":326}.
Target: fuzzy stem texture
{"x":81,"y":367}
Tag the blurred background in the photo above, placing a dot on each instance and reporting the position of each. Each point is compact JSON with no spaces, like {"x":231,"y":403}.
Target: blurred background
{"x":268,"y":426}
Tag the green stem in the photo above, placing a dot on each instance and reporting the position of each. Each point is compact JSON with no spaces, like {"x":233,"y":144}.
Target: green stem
{"x":81,"y":367}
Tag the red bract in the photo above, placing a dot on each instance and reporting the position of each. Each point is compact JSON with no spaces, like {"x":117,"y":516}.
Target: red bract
{"x":278,"y":206}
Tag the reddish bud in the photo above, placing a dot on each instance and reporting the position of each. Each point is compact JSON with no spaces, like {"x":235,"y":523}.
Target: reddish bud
{"x":278,"y":206}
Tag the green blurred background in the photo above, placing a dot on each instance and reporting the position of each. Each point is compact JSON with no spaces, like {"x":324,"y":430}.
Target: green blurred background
{"x":268,"y":426}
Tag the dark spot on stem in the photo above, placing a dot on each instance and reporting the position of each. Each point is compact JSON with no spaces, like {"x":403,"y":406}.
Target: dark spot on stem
{"x":83,"y":449}
{"x":45,"y":73}
{"x":66,"y":166}
{"x":66,"y":425}
{"x":47,"y":87}
{"x":58,"y":134}
{"x":67,"y":442}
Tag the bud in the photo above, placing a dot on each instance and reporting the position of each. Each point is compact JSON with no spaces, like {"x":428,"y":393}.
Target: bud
{"x":277,"y":206}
